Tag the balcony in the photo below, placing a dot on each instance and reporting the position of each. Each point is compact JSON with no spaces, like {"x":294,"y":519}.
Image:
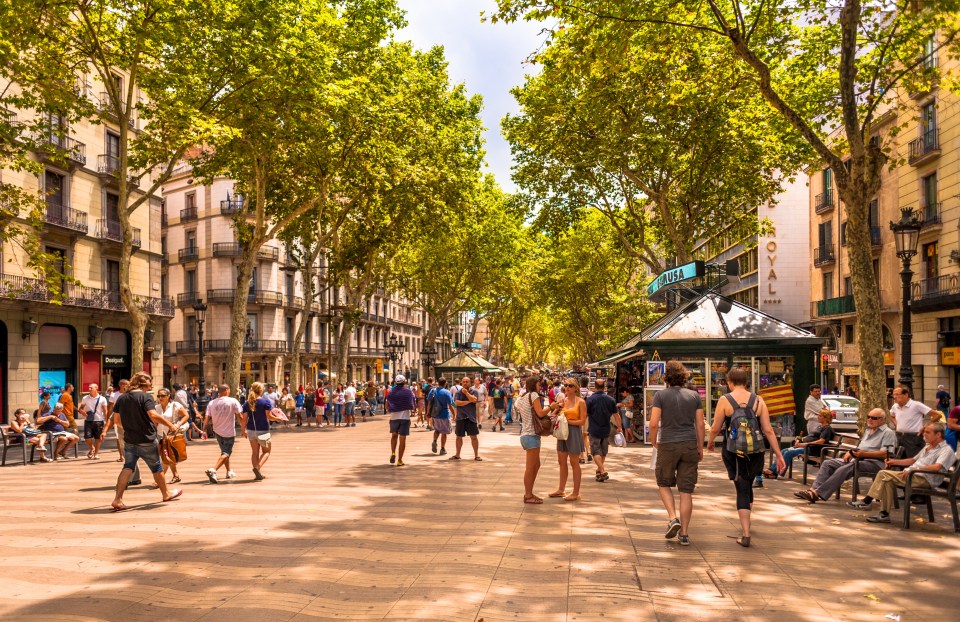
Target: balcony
{"x":936,"y":294}
{"x":834,"y":306}
{"x":152,"y":305}
{"x":189,"y":213}
{"x":265,"y":297}
{"x":231,"y":206}
{"x":271,"y":346}
{"x":73,"y":150}
{"x":227,"y":249}
{"x":66,"y":218}
{"x":221,"y":295}
{"x":35,"y":290}
{"x":823,"y":256}
{"x":373,"y":318}
{"x":187,"y":347}
{"x":108,"y":164}
{"x":187,"y":299}
{"x":190,"y":253}
{"x":294,"y":302}
{"x":111,"y":231}
{"x":925,"y":148}
{"x":930,"y":215}
{"x":269,"y":253}
{"x":823,"y":202}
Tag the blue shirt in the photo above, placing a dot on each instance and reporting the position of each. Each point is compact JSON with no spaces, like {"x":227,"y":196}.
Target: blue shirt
{"x":258,"y":422}
{"x":444,"y":400}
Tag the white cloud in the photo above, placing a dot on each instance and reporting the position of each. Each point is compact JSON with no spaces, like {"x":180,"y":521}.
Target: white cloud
{"x":487,"y":58}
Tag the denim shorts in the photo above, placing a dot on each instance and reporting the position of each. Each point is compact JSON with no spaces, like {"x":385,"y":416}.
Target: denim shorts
{"x":148,"y":451}
{"x":348,"y":408}
{"x":530,"y":441}
{"x":226,"y":444}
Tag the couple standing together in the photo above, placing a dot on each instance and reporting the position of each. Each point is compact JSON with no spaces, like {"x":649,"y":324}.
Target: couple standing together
{"x":677,"y":429}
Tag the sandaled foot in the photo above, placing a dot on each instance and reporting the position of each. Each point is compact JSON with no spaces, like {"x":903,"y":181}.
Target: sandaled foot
{"x":557,"y":493}
{"x":175,"y":480}
{"x":118,"y":508}
{"x":534,"y":499}
{"x":572,"y":497}
{"x":743,"y":541}
{"x":478,"y":459}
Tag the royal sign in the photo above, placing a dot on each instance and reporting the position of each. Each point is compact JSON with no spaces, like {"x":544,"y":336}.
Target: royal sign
{"x":688,"y":271}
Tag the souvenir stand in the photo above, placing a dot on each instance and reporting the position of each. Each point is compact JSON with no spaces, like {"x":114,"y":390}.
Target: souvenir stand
{"x":710,"y":335}
{"x":464,"y":363}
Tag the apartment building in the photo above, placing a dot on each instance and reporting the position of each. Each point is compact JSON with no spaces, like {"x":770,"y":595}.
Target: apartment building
{"x":200,"y":259}
{"x":86,"y":337}
{"x":774,"y":275}
{"x":928,"y":181}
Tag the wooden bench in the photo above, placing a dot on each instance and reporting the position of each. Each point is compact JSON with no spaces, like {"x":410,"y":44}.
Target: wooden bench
{"x":13,"y":440}
{"x":811,"y":459}
{"x":897,"y":454}
{"x":946,"y":490}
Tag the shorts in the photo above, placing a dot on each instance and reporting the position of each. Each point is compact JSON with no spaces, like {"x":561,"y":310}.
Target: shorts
{"x":148,"y":451}
{"x":226,"y":444}
{"x":499,"y":413}
{"x":400,"y":426}
{"x":530,"y":441}
{"x":677,"y":465}
{"x":443,"y":426}
{"x":599,"y":446}
{"x":93,"y":429}
{"x":348,"y":408}
{"x":467,"y":427}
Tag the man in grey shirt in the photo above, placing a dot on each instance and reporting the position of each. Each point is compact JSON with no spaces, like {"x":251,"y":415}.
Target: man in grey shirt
{"x":677,"y":414}
{"x":876,"y":444}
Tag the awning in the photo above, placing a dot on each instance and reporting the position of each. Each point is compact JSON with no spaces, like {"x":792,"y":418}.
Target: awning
{"x":614,"y":359}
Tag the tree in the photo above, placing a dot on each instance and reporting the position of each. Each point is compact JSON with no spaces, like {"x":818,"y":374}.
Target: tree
{"x":592,"y":134}
{"x":829,"y":72}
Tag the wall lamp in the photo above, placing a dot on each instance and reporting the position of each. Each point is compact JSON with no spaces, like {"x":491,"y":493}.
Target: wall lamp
{"x":30,"y":327}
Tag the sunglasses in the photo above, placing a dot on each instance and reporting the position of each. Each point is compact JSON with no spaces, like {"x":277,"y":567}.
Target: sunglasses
{"x":874,"y":418}
{"x":569,"y":386}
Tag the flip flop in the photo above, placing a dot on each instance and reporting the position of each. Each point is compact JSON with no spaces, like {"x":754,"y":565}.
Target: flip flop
{"x":572,"y":498}
{"x":557,"y":494}
{"x":122,"y":508}
{"x":176,"y":493}
{"x":478,"y":459}
{"x":535,"y":500}
{"x":454,"y":458}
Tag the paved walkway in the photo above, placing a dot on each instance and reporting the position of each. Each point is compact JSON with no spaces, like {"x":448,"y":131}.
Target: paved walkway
{"x":336,"y":532}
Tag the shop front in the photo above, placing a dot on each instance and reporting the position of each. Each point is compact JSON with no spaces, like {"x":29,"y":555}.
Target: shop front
{"x":116,"y":356}
{"x":57,"y":359}
{"x":712,"y":335}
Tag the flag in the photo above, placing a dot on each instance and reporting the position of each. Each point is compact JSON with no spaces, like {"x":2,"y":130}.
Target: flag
{"x":779,"y":399}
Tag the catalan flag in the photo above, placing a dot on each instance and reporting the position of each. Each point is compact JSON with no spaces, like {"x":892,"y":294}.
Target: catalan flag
{"x":779,"y":399}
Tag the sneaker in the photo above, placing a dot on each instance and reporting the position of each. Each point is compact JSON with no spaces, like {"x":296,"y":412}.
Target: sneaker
{"x":393,"y":458}
{"x":211,"y":475}
{"x":673,"y":528}
{"x":882,"y":517}
{"x":684,"y":540}
{"x":433,"y":446}
{"x":859,"y":505}
{"x":758,"y":483}
{"x":443,"y":452}
{"x":589,"y":457}
{"x":231,"y":474}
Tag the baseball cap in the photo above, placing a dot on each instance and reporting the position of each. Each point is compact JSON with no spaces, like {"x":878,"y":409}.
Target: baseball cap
{"x":57,"y":406}
{"x":399,"y":379}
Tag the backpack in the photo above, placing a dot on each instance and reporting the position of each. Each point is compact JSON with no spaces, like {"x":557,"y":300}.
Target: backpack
{"x":432,"y":402}
{"x":743,"y":434}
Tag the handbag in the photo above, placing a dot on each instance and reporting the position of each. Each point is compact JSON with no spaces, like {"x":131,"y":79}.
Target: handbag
{"x":542,"y":425}
{"x":174,"y":448}
{"x":619,"y":440}
{"x":561,"y":430}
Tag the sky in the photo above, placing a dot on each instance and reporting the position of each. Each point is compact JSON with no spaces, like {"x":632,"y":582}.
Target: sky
{"x":487,"y":58}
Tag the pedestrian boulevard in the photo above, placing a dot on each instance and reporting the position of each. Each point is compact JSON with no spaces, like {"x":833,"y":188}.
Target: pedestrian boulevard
{"x":335,"y":532}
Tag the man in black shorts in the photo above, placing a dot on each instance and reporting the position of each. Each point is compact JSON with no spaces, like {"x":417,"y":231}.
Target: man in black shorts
{"x":601,"y":408}
{"x":466,"y":402}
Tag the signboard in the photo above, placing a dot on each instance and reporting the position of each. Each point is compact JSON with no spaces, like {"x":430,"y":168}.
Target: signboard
{"x":52,"y":381}
{"x":950,"y":356}
{"x":378,"y":365}
{"x":688,"y":271}
{"x":888,"y":359}
{"x":114,"y":361}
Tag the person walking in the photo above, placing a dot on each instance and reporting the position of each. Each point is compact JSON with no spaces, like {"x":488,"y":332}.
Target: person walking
{"x":179,"y":418}
{"x":601,"y":409}
{"x":440,"y":407}
{"x":677,"y":415}
{"x":350,"y":405}
{"x":483,"y":403}
{"x":498,"y":404}
{"x":255,"y":426}
{"x":224,"y":412}
{"x":743,"y":469}
{"x":574,"y":408}
{"x":338,"y":403}
{"x":69,"y":408}
{"x":400,"y":405}
{"x":94,"y":407}
{"x":466,"y":401}
{"x":528,"y":407}
{"x":298,"y":404}
{"x":139,"y":418}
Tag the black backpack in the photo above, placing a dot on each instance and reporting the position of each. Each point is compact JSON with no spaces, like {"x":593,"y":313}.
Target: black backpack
{"x":744,"y":435}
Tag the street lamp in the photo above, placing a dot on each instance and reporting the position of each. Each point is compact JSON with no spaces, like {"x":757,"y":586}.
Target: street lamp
{"x":393,"y":347}
{"x":906,"y":233}
{"x":428,"y":354}
{"x":201,"y":311}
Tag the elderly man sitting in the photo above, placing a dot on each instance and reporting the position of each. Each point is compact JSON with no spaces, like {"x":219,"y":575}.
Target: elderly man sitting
{"x":877,"y":440}
{"x":55,"y":424}
{"x":926,"y":469}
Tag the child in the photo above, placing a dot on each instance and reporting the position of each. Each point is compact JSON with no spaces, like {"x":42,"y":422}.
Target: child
{"x":298,"y":407}
{"x":364,"y":409}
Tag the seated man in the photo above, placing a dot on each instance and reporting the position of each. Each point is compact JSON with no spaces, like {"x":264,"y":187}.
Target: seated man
{"x":823,"y":436}
{"x":926,"y":469}
{"x":877,"y":440}
{"x":55,"y":424}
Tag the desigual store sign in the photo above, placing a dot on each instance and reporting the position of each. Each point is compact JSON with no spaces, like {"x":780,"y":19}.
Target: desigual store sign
{"x":114,"y":361}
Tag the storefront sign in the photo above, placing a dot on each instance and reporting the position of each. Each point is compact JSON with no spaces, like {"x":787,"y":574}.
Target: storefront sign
{"x":888,"y":358}
{"x":851,"y":370}
{"x":833,"y":359}
{"x":114,"y":360}
{"x":950,"y":356}
{"x":685,"y":272}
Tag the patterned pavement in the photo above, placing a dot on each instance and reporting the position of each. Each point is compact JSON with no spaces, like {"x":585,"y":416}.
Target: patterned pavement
{"x":335,"y":532}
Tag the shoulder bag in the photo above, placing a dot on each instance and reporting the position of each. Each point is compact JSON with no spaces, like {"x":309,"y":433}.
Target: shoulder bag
{"x":561,"y":430}
{"x":263,"y":439}
{"x":542,"y":425}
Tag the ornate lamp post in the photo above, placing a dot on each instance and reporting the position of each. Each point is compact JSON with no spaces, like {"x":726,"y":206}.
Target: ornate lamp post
{"x":906,"y":233}
{"x":201,"y":311}
{"x":428,"y":354}
{"x":393,"y":347}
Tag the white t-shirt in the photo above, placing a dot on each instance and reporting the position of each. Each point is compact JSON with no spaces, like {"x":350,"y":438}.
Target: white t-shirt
{"x":910,"y":416}
{"x":350,"y":394}
{"x":273,"y":397}
{"x":223,"y":413}
{"x":96,"y":404}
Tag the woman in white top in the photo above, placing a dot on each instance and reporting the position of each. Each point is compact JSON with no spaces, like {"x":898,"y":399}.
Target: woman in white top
{"x":528,"y":405}
{"x":175,"y":413}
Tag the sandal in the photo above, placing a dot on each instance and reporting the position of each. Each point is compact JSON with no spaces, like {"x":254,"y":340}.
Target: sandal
{"x":478,"y":459}
{"x":572,"y":498}
{"x":534,"y":499}
{"x":558,"y":493}
{"x":175,"y":480}
{"x":743,"y":541}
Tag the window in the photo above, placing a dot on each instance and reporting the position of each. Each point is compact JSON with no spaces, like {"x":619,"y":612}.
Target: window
{"x":931,"y":260}
{"x":825,"y":234}
{"x":191,"y":200}
{"x":59,"y":263}
{"x":54,"y":191}
{"x":847,"y":286}
{"x":930,"y":52}
{"x":874,"y":213}
{"x":876,"y":272}
{"x":112,"y":280}
{"x":848,"y":334}
{"x":843,"y":233}
{"x":163,"y":245}
{"x":928,"y":190}
{"x":111,"y":207}
{"x":113,"y":145}
{"x":252,"y":332}
{"x":887,"y":337}
{"x":748,"y":262}
{"x":190,"y":281}
{"x":190,"y":328}
{"x":928,"y":124}
{"x":827,"y":291}
{"x":190,"y":238}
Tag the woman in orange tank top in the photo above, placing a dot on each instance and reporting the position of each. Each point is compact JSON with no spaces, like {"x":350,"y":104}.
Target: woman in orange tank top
{"x":575,"y":410}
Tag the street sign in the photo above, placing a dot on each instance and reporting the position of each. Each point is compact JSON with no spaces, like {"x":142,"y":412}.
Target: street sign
{"x":688,"y":271}
{"x":378,"y":365}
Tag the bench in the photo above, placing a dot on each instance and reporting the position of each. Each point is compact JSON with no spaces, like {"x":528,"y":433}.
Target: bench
{"x":13,"y":440}
{"x":946,"y":490}
{"x":811,"y":459}
{"x":897,"y":454}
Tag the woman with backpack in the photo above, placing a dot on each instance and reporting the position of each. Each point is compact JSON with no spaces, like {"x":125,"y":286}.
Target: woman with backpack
{"x":744,"y":421}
